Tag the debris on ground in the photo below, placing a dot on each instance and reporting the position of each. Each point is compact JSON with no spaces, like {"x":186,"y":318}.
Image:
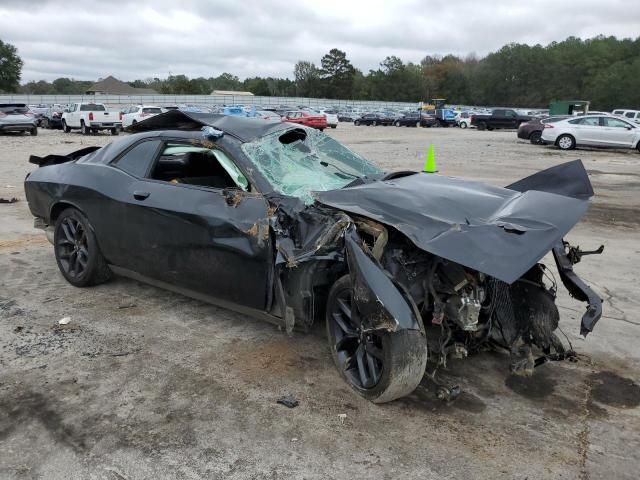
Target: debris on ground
{"x":342,"y":417}
{"x":288,"y":401}
{"x":10,"y":200}
{"x":64,"y":321}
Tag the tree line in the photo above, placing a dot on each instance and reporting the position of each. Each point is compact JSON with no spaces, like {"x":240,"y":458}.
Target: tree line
{"x":602,"y":69}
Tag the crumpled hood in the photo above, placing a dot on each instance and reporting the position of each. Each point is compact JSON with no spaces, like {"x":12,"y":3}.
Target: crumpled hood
{"x":499,"y":231}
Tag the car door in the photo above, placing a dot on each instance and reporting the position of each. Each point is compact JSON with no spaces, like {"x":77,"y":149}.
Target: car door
{"x":617,"y":133}
{"x":213,"y":241}
{"x":509,"y":120}
{"x":587,"y":130}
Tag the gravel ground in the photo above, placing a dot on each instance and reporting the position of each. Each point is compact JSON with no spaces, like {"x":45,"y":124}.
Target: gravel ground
{"x":145,"y":384}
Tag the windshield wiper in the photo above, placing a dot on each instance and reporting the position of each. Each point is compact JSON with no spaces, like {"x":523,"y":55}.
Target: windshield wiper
{"x":327,"y":164}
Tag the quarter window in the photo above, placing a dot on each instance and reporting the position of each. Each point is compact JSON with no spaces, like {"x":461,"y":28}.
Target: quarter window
{"x":138,"y":160}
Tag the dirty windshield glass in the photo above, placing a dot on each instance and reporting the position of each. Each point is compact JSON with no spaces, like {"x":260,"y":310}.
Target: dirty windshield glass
{"x":302,"y":161}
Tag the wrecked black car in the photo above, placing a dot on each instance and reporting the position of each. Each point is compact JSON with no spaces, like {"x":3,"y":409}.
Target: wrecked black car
{"x":283,"y":222}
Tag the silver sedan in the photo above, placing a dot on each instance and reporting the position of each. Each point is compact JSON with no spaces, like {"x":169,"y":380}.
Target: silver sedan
{"x":592,"y":131}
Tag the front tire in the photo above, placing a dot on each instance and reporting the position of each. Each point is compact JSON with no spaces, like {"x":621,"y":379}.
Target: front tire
{"x":482,"y":125}
{"x":34,"y":131}
{"x":65,"y":127}
{"x":397,"y":124}
{"x":566,"y":142}
{"x":380,"y":366}
{"x":44,"y":123}
{"x":357,"y":123}
{"x":463,"y":125}
{"x":76,"y":249}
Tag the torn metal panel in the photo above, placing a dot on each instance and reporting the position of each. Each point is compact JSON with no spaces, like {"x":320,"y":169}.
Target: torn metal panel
{"x":378,"y":298}
{"x":497,"y":231}
{"x":578,"y":289}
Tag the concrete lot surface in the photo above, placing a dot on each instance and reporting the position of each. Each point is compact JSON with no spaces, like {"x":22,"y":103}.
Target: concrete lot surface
{"x":145,"y":384}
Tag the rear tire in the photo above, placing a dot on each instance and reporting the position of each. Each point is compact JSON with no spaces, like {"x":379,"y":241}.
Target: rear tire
{"x":357,"y":123}
{"x":482,"y":125}
{"x":374,"y":123}
{"x":390,"y":364}
{"x":44,"y":123}
{"x":34,"y":131}
{"x":76,"y":249}
{"x":397,"y":124}
{"x":566,"y":142}
{"x":535,"y":138}
{"x":463,"y":125}
{"x":334,"y":126}
{"x":114,"y":131}
{"x":84,"y":129}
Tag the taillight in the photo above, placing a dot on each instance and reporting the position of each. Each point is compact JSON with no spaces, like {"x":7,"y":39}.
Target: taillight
{"x":548,"y":125}
{"x":90,"y":116}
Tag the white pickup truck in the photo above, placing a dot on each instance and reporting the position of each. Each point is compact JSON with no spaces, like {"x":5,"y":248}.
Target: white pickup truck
{"x":90,"y":118}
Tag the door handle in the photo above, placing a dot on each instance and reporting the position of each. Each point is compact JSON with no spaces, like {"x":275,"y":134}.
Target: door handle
{"x":140,"y":195}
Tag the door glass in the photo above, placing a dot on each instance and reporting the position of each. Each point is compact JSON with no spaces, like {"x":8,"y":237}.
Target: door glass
{"x":137,"y":160}
{"x":186,"y":163}
{"x":591,"y":121}
{"x":614,"y":122}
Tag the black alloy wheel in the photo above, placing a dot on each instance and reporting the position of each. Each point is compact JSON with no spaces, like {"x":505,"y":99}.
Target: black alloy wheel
{"x":72,"y":248}
{"x":380,"y":365}
{"x":359,"y":353}
{"x":76,"y":249}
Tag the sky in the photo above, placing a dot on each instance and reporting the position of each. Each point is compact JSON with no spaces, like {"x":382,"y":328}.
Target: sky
{"x":141,"y":39}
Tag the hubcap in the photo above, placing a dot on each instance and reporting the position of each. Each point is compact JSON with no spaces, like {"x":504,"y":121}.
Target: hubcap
{"x":72,"y":247}
{"x":565,"y":142}
{"x":359,"y":350}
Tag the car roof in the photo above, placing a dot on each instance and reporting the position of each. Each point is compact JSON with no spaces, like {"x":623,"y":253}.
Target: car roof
{"x":243,"y":128}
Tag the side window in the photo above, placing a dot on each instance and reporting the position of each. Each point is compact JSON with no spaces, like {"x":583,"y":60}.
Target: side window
{"x":589,"y":121}
{"x":510,"y":114}
{"x":614,"y":122}
{"x":630,"y":114}
{"x":138,"y":160}
{"x":499,"y":113}
{"x":191,"y":164}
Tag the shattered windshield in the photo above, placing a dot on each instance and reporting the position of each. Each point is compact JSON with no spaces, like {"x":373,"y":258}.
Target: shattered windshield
{"x":302,"y":161}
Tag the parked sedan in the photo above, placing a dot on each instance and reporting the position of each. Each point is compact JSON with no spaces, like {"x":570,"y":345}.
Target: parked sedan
{"x":137,"y":113}
{"x":16,"y":117}
{"x":331,"y":116}
{"x":313,"y":120}
{"x":532,"y":129}
{"x":373,"y":119}
{"x":592,"y":131}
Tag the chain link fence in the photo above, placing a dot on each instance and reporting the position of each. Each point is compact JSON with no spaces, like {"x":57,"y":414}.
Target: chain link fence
{"x":207,"y":100}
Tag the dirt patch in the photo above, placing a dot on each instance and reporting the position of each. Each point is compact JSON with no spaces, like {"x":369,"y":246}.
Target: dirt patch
{"x":536,"y":387}
{"x":612,"y":215}
{"x":24,"y":241}
{"x":614,"y":390}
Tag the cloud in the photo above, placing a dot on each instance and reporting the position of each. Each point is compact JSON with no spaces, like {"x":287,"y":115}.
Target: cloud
{"x":88,"y":39}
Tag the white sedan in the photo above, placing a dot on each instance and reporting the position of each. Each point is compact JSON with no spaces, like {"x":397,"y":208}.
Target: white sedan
{"x":592,"y":131}
{"x":331,"y":116}
{"x":138,"y":113}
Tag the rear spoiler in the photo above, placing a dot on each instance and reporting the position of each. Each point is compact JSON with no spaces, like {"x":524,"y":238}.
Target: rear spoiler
{"x":58,"y":159}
